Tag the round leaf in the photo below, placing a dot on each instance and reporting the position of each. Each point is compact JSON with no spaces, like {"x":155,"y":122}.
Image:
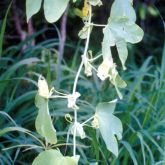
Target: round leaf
{"x":53,"y":157}
{"x":53,"y":9}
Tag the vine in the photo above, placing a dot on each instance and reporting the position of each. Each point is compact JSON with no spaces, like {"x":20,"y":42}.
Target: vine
{"x":120,"y":29}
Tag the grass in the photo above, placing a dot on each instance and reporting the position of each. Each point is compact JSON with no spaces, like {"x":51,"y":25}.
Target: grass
{"x":142,"y":111}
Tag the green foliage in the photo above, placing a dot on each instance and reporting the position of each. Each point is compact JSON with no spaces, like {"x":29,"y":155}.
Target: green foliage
{"x":52,"y":157}
{"x":2,"y":30}
{"x":109,"y":125}
{"x":53,"y":9}
{"x":141,"y":110}
{"x":32,"y":7}
{"x":43,"y":121}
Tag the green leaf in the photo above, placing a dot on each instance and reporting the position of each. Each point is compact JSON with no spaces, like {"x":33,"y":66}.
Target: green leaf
{"x":122,"y":32}
{"x":53,"y":9}
{"x":123,"y":9}
{"x":53,"y":157}
{"x":130,"y":32}
{"x":2,"y":31}
{"x":43,"y":121}
{"x":108,"y":36}
{"x":122,"y":51}
{"x":32,"y":7}
{"x":11,"y":129}
{"x":108,"y":40}
{"x":133,"y":33}
{"x":109,"y":125}
{"x":118,"y":82}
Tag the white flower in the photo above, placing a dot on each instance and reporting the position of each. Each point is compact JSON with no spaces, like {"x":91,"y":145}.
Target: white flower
{"x":87,"y":66}
{"x":43,"y":89}
{"x":72,"y":100}
{"x":103,"y":69}
{"x":95,"y":122}
{"x":79,"y":130}
{"x":107,"y":69}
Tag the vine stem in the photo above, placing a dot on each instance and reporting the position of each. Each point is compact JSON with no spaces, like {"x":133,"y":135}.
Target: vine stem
{"x":87,"y":120}
{"x":76,"y":80}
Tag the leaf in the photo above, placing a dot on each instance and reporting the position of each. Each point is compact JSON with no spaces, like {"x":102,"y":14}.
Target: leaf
{"x":43,"y":121}
{"x":109,"y":125}
{"x":53,"y":9}
{"x":122,"y":32}
{"x":134,"y":33}
{"x":120,"y":82}
{"x":123,"y":9}
{"x":130,"y":32}
{"x":117,"y":81}
{"x":11,"y":129}
{"x":32,"y":7}
{"x":122,"y":51}
{"x":108,"y":40}
{"x":2,"y":31}
{"x":53,"y":157}
{"x":108,"y":36}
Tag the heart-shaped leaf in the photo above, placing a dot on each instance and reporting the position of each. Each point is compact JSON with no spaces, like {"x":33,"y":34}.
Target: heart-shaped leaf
{"x":109,"y":125}
{"x":53,"y":157}
{"x":53,"y":9}
{"x":124,"y":9}
{"x":32,"y":7}
{"x":43,"y":121}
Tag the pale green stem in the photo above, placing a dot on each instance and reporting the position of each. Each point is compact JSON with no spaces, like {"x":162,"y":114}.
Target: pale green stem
{"x":95,"y":58}
{"x":98,"y":25}
{"x":57,"y":96}
{"x":87,"y":120}
{"x":76,"y":80}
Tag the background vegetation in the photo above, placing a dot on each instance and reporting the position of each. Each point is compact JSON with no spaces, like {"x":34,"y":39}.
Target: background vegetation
{"x":32,"y":49}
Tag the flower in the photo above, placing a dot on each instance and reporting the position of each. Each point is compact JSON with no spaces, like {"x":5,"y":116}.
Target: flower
{"x":72,"y":100}
{"x":103,"y":69}
{"x":43,"y":89}
{"x":79,"y":130}
{"x":95,"y":122}
{"x":88,"y":68}
{"x":107,"y":69}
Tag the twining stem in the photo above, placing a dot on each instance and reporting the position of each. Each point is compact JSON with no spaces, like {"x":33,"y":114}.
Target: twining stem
{"x":87,"y":120}
{"x":97,"y":25}
{"x":76,"y":80}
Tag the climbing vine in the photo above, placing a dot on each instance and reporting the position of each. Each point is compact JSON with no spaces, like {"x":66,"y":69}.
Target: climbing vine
{"x":121,"y":28}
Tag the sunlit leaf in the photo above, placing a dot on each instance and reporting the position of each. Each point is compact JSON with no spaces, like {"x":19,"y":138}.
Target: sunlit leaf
{"x":53,"y":157}
{"x":53,"y":9}
{"x":134,"y":33}
{"x":43,"y":121}
{"x":32,"y":7}
{"x":110,"y":126}
{"x":118,"y":32}
{"x":130,"y":32}
{"x":122,"y":51}
{"x":124,"y":9}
